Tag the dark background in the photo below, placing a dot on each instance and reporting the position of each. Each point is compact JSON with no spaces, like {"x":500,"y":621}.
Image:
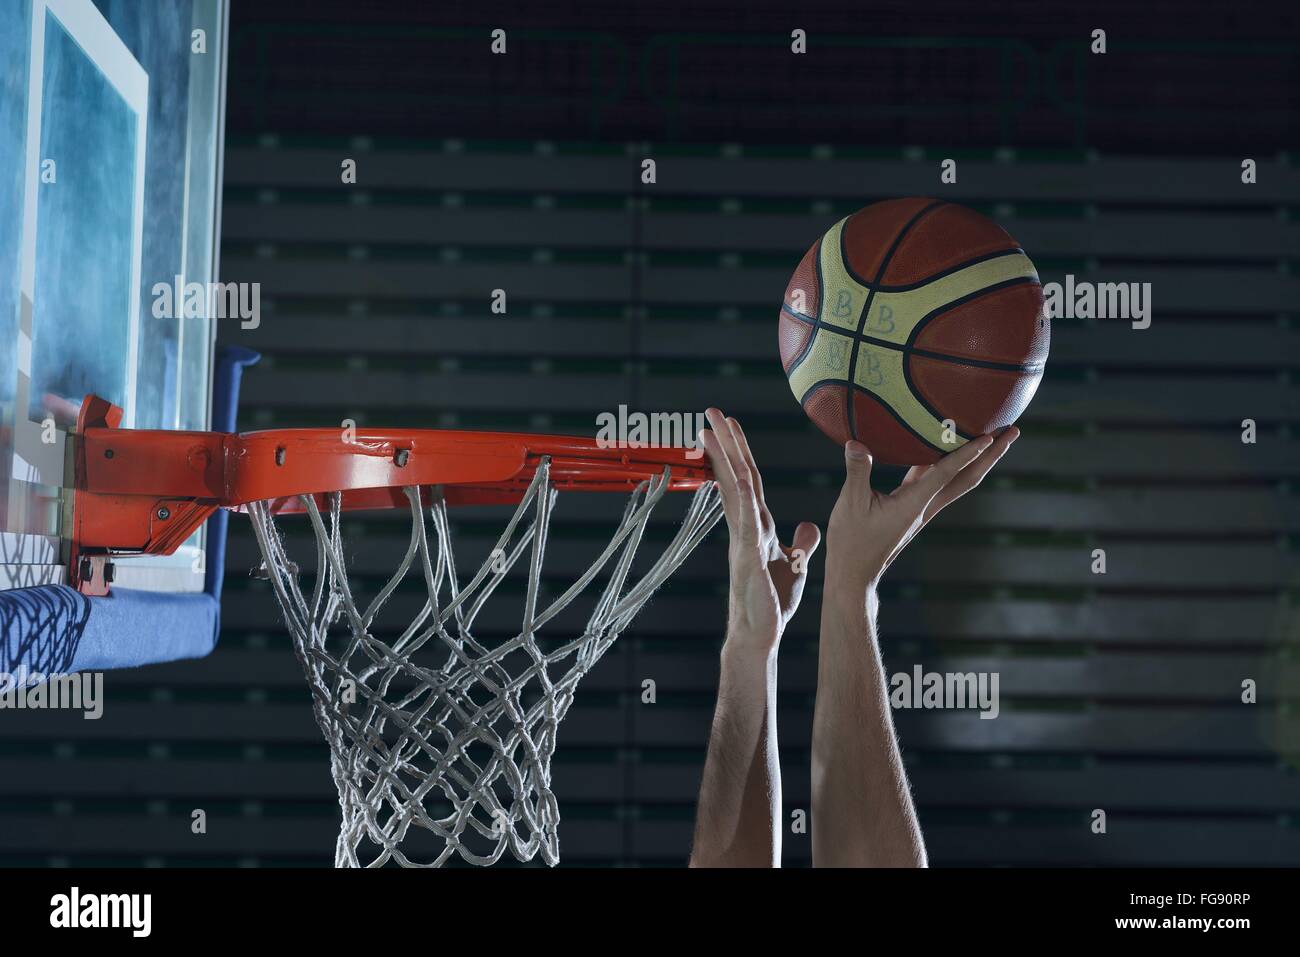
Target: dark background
{"x":476,"y":172}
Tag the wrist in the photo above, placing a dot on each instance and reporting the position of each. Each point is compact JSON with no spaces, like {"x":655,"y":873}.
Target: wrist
{"x":852,"y":600}
{"x":750,"y":645}
{"x":853,"y":588}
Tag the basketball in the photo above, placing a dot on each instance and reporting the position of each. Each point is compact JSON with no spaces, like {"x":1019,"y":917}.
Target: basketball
{"x":913,"y":325}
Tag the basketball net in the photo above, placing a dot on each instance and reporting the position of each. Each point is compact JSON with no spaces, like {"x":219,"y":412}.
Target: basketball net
{"x":441,"y":745}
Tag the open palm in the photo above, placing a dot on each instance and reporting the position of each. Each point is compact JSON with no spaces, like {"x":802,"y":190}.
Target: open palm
{"x":868,"y":528}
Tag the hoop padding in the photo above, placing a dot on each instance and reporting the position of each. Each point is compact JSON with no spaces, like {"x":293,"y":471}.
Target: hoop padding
{"x":436,"y":732}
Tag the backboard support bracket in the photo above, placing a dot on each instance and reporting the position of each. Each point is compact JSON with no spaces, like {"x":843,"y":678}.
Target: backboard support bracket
{"x":111,"y":518}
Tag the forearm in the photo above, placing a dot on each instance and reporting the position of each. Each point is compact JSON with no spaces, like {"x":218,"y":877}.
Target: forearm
{"x":862,"y":811}
{"x":740,"y":796}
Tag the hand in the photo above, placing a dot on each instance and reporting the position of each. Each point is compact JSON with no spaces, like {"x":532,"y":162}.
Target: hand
{"x":767,"y":578}
{"x":867,"y":530}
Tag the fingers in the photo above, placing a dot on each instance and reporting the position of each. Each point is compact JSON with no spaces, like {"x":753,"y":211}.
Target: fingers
{"x":971,"y":476}
{"x":946,"y":468}
{"x":748,"y":522}
{"x":727,"y":439}
{"x":743,"y":444}
{"x":723,"y":473}
{"x":738,"y":501}
{"x":728,"y":465}
{"x":930,"y":482}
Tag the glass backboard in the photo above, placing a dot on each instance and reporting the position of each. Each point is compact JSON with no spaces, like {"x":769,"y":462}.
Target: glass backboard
{"x":110,"y":138}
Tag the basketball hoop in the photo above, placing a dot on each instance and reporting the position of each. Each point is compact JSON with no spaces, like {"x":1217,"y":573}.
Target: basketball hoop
{"x":433,"y":734}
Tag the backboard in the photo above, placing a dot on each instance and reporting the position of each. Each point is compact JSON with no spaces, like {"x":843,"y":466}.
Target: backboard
{"x":111,"y":135}
{"x":111,"y":115}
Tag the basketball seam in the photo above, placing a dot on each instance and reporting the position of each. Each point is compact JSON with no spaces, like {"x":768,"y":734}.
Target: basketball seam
{"x":910,"y":349}
{"x":919,"y":394}
{"x":924,"y":400}
{"x":847,"y":263}
{"x":812,"y":390}
{"x":866,"y":307}
{"x":962,"y":300}
{"x":909,"y":286}
{"x":816,"y":320}
{"x":1026,"y":367}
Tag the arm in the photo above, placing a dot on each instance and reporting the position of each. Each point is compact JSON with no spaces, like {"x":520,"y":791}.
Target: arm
{"x":863,"y":814}
{"x":862,"y":809}
{"x":738,"y":817}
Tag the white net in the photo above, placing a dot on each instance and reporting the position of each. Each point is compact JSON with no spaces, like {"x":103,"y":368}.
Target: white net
{"x":441,"y":746}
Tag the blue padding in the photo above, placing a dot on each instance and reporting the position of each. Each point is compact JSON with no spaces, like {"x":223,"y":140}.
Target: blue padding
{"x":226,"y":375}
{"x":54,"y":629}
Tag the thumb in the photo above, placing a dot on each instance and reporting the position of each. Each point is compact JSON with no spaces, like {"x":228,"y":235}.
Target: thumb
{"x":857,"y":465}
{"x":805,"y":541}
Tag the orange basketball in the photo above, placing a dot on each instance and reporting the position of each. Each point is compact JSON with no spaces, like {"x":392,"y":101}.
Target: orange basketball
{"x":912,"y":326}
